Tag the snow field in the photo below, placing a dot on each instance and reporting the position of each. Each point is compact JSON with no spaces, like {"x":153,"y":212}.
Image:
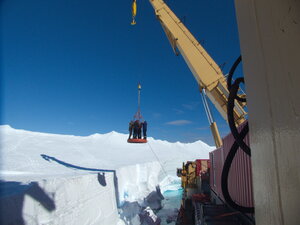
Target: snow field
{"x":73,"y":200}
{"x":66,"y":169}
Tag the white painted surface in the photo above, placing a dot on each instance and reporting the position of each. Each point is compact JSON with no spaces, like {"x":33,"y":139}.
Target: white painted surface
{"x":270,"y":43}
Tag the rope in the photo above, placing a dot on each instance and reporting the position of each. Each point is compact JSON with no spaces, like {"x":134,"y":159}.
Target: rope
{"x":157,"y":158}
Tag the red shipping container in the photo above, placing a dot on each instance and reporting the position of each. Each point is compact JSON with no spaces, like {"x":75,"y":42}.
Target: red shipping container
{"x":240,"y":174}
{"x":202,"y":165}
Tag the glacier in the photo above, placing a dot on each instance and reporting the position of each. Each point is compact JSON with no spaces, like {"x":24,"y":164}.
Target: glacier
{"x":66,"y":179}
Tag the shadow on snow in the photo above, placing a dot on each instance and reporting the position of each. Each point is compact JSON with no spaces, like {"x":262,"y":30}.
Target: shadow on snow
{"x":12,"y":199}
{"x":101,"y":176}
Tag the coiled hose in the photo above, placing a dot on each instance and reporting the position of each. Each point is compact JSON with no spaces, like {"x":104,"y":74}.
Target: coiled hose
{"x":239,"y":138}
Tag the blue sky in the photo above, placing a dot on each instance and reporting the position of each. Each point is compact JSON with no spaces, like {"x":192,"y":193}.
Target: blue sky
{"x":72,"y":67}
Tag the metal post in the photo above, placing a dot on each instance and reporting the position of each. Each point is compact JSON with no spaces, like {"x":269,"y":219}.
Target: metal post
{"x":206,"y":107}
{"x":138,"y":115}
{"x":139,"y":97}
{"x":213,"y":126}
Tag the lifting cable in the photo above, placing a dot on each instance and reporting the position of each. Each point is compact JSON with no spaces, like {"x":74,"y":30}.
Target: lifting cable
{"x":157,"y":158}
{"x":239,"y":137}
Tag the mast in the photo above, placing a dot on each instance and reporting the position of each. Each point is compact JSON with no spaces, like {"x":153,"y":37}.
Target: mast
{"x":138,"y":114}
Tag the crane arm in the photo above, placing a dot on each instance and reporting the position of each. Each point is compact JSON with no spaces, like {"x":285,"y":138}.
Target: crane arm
{"x":205,"y":70}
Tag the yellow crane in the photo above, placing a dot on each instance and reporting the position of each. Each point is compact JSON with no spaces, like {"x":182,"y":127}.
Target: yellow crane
{"x":269,"y":36}
{"x":211,"y":80}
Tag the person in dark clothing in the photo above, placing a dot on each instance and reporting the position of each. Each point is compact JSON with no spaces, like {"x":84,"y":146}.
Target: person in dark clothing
{"x":145,"y":129}
{"x":140,"y":131}
{"x":136,"y":126}
{"x":130,"y":129}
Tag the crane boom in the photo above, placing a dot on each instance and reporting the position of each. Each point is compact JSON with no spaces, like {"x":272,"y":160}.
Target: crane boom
{"x":206,"y":71}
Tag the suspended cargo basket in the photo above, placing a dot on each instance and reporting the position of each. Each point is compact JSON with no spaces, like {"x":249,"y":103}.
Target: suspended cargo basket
{"x":138,"y":124}
{"x":135,"y":140}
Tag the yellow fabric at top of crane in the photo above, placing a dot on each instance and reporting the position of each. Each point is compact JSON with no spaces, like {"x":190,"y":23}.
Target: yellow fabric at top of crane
{"x":134,"y":8}
{"x":133,"y":11}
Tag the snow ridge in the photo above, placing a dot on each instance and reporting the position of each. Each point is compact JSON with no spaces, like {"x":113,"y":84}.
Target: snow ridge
{"x":50,"y":159}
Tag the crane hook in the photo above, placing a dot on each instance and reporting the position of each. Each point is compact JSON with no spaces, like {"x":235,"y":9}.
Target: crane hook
{"x":133,"y":11}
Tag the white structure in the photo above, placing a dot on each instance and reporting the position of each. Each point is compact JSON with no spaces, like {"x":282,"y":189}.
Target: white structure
{"x":270,"y":43}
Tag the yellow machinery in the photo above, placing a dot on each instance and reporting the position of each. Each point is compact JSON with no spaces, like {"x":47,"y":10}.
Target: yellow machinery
{"x":188,"y":174}
{"x":211,"y":80}
{"x":191,"y":173}
{"x":209,"y":76}
{"x":269,"y":34}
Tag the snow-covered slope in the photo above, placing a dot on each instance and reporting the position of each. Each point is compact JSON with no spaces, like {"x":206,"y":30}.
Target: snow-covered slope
{"x":31,"y":156}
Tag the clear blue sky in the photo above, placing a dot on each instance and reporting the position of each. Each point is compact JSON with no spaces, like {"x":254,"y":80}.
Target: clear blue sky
{"x":72,"y":67}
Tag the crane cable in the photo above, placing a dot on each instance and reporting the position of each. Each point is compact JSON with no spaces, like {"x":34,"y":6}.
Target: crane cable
{"x":157,"y":158}
{"x":239,"y":137}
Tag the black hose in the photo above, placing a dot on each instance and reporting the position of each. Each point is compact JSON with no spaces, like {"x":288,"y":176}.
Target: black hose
{"x":239,"y":137}
{"x":230,"y":107}
{"x":230,"y":75}
{"x":224,"y":177}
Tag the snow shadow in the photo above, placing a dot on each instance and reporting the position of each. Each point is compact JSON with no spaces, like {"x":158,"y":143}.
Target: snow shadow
{"x":12,"y":196}
{"x":133,"y":213}
{"x":50,"y":158}
{"x":130,"y":212}
{"x":101,"y":177}
{"x":153,"y":200}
